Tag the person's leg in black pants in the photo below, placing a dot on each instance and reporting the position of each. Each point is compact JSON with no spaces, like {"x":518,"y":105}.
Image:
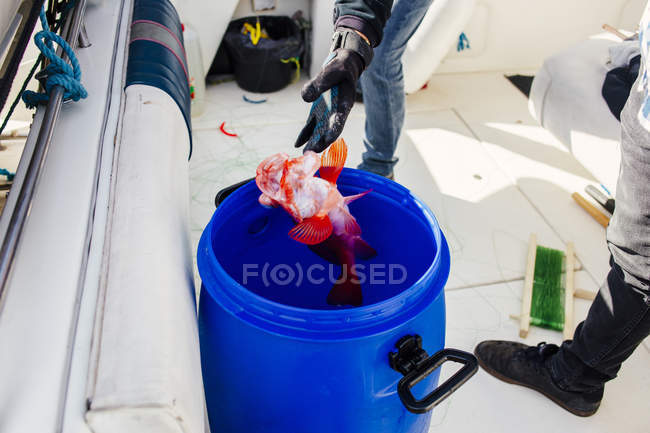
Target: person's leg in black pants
{"x":574,"y":374}
{"x":618,"y":321}
{"x":619,"y":318}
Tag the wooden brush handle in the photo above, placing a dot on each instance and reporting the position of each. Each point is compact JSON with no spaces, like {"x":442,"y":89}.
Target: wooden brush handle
{"x":585,"y":294}
{"x":569,"y":290}
{"x":614,"y":31}
{"x":591,"y":209}
{"x":527,"y":295}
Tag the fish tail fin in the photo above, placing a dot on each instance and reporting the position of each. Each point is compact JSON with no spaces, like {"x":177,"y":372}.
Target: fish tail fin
{"x":333,"y":161}
{"x":363,"y":250}
{"x":313,"y":230}
{"x":347,"y":291}
{"x":349,"y":199}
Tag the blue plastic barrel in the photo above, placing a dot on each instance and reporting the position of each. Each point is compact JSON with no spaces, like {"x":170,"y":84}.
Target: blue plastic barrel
{"x":277,"y":358}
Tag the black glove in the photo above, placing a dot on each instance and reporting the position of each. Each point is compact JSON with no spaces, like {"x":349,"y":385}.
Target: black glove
{"x":349,"y":55}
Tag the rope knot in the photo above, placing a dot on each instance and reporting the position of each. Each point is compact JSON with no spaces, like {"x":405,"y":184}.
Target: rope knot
{"x":58,"y":72}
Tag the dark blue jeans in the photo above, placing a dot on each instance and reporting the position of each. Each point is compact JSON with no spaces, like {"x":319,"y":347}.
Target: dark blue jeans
{"x":382,"y":85}
{"x":619,"y":318}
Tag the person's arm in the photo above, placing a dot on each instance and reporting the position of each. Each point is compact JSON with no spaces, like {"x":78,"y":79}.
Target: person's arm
{"x":359,"y":28}
{"x":366,"y":16}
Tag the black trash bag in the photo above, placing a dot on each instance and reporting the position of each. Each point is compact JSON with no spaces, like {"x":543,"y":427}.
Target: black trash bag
{"x":618,"y":84}
{"x":267,"y":66}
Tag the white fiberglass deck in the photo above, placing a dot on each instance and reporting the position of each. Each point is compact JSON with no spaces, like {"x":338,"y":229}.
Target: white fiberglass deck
{"x":492,"y":176}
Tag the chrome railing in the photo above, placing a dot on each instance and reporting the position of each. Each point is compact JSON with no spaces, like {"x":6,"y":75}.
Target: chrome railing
{"x":23,"y":204}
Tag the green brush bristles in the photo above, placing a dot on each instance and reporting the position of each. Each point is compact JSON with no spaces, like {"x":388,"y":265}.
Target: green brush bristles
{"x":547,"y":308}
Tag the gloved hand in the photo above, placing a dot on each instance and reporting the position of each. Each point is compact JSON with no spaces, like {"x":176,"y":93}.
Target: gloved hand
{"x":349,"y":55}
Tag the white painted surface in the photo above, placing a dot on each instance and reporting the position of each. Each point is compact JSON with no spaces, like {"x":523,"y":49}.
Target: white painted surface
{"x":629,"y":18}
{"x":322,"y":12}
{"x":504,"y":34}
{"x":437,"y":34}
{"x":282,"y":7}
{"x":7,"y":11}
{"x":45,"y":352}
{"x":515,"y":34}
{"x":76,"y":396}
{"x":38,"y":322}
{"x":486,"y":404}
{"x":541,"y":167}
{"x":10,"y":19}
{"x":195,"y":68}
{"x":566,"y":98}
{"x":209,"y":19}
{"x":13,"y":148}
{"x":146,"y":374}
{"x":485,"y":217}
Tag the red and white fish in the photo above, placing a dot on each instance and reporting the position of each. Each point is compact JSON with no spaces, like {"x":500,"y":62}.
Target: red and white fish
{"x":321,"y":212}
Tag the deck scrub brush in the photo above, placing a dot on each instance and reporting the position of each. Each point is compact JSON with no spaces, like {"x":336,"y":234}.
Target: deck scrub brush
{"x":549,"y":289}
{"x":547,"y":306}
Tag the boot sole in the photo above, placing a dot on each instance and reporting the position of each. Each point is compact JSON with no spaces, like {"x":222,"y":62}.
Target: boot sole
{"x":550,"y":397}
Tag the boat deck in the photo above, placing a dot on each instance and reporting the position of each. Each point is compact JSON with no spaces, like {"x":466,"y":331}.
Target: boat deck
{"x":492,"y":176}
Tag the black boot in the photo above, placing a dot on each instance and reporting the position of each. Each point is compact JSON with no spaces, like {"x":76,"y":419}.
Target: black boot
{"x":529,"y":366}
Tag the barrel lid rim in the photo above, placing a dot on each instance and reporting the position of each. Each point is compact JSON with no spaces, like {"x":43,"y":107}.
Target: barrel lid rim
{"x":326,"y":321}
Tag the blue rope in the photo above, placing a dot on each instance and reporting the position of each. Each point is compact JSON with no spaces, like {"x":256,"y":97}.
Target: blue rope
{"x":59,"y":72}
{"x":57,"y":25}
{"x":254,"y":101}
{"x":45,"y":25}
{"x":5,"y":172}
{"x":463,"y":42}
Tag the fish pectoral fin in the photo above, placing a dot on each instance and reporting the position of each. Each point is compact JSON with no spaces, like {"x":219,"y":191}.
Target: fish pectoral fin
{"x":363,"y":250}
{"x":349,"y":199}
{"x":351,"y":225}
{"x":333,"y":161}
{"x":312,"y":231}
{"x":267,"y":201}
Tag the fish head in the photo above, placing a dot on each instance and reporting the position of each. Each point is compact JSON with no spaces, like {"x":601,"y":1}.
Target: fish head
{"x":269,"y":175}
{"x":284,"y":181}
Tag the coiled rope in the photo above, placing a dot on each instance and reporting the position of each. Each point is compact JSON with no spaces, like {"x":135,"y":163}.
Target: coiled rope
{"x":58,"y":72}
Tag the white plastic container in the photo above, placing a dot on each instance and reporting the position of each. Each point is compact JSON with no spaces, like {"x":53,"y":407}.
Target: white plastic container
{"x":195,"y":69}
{"x":438,"y":32}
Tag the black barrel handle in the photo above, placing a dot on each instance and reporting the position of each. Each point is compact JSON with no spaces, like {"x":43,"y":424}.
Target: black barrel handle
{"x":221,"y":195}
{"x":412,"y":361}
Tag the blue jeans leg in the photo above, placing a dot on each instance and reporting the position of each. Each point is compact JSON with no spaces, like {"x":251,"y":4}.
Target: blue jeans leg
{"x":383,"y":87}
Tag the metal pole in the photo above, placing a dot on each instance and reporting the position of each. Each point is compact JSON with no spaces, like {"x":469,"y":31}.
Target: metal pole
{"x":37,"y":161}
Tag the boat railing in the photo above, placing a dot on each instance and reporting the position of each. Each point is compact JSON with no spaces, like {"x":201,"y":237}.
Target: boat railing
{"x":72,"y":30}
